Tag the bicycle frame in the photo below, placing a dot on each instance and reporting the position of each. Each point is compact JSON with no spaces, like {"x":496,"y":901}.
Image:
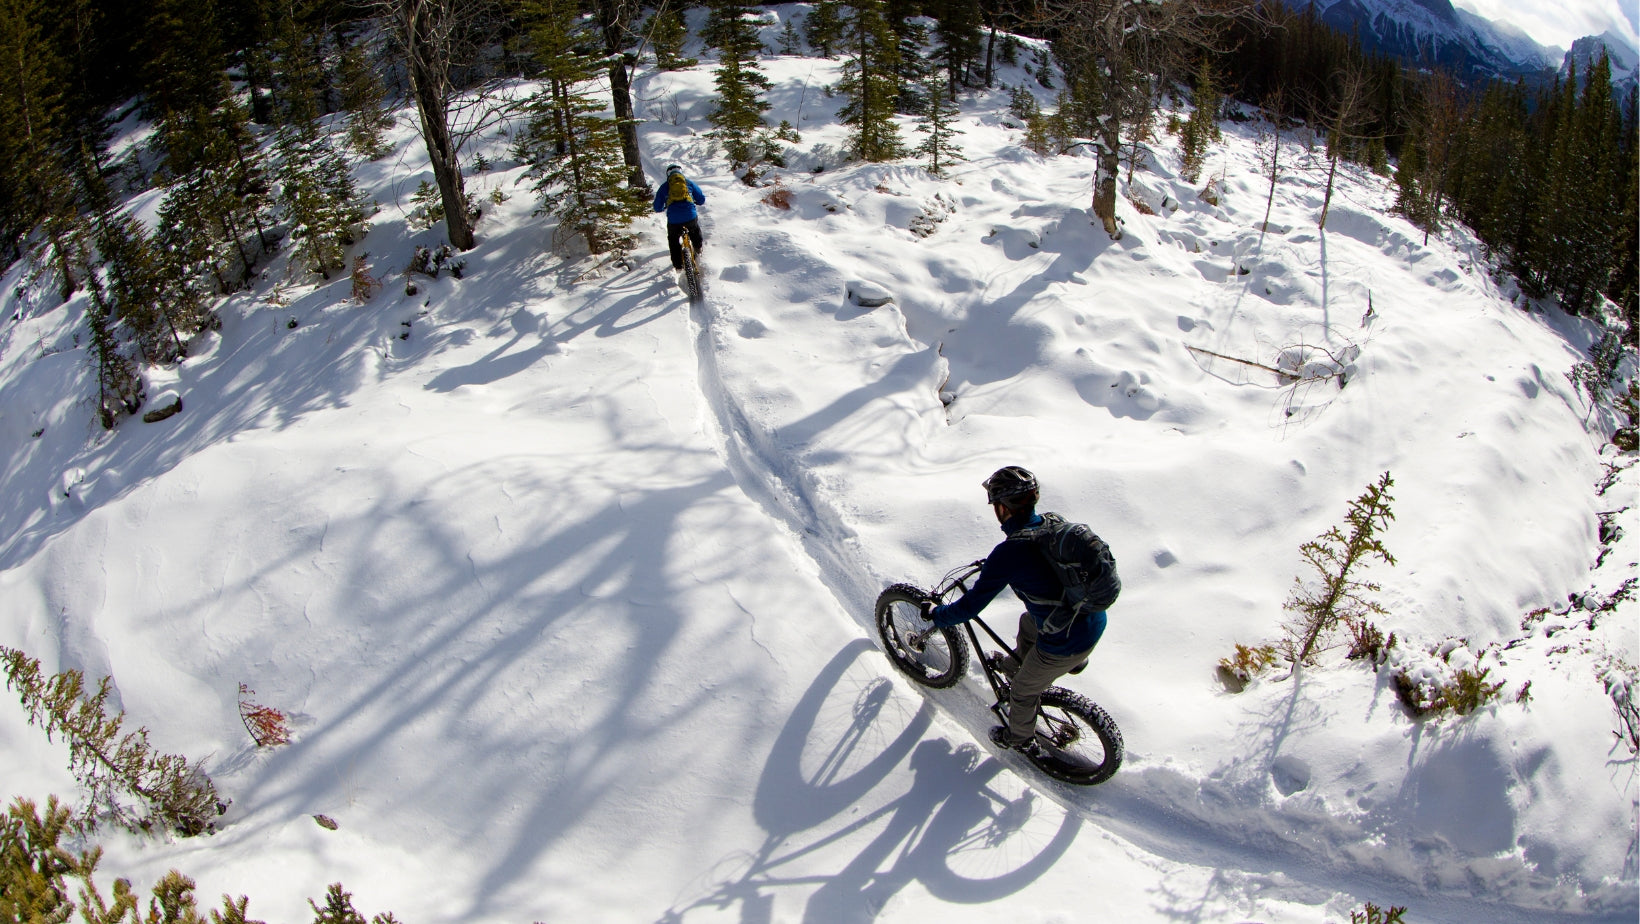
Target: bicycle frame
{"x":957,"y":579}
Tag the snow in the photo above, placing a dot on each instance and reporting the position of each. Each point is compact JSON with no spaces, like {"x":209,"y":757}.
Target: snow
{"x":567,"y":584}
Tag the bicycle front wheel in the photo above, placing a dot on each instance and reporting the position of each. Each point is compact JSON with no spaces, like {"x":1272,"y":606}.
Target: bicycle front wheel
{"x":691,"y":275}
{"x":1080,"y":744}
{"x":934,"y":657}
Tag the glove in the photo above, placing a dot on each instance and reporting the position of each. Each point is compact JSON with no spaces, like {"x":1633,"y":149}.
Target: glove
{"x":928,"y":610}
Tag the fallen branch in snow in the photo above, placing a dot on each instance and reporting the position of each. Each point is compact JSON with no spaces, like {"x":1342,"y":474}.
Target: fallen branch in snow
{"x":1284,"y":376}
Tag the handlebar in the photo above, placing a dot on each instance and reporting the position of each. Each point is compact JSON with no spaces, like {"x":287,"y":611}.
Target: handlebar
{"x":955,"y":579}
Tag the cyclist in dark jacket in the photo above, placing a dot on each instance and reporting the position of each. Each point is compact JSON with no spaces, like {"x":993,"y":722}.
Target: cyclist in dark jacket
{"x":1038,"y":658}
{"x":681,"y":215}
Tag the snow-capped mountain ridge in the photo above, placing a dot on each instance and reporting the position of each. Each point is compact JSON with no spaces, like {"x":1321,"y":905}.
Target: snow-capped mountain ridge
{"x":1436,"y":33}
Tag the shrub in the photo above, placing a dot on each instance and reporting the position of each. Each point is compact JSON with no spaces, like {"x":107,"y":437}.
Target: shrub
{"x":1619,"y":678}
{"x":174,"y":793}
{"x":1368,"y":641}
{"x":1335,"y":596}
{"x":339,"y":909}
{"x":267,"y":725}
{"x":364,"y":284}
{"x":1435,"y":685}
{"x":1239,"y":669}
{"x":779,"y":198}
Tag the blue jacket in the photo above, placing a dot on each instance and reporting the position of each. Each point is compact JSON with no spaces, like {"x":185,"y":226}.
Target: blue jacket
{"x":679,"y":212}
{"x":1020,"y":565}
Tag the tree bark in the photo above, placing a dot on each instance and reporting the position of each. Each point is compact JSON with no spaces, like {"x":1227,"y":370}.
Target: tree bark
{"x":427,"y":87}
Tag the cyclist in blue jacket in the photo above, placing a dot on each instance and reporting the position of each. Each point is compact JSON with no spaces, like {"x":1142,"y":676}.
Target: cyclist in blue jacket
{"x":678,"y":199}
{"x":1039,"y":658}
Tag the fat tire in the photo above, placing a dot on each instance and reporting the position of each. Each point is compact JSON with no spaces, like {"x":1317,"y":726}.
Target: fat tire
{"x":1088,"y":722}
{"x":943,"y":656}
{"x":691,"y":277}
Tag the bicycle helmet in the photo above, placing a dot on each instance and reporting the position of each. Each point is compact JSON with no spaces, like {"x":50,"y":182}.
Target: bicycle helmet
{"x":1009,"y":485}
{"x":673,"y":168}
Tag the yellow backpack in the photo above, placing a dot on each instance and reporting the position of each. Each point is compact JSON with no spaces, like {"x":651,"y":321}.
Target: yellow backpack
{"x":677,"y":189}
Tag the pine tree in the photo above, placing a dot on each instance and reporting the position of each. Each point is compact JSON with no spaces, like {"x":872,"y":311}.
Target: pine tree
{"x":320,"y":200}
{"x":1413,"y":198}
{"x":35,"y":190}
{"x":1202,"y":128}
{"x":362,"y":97}
{"x":823,"y":27}
{"x":574,"y":152}
{"x":174,"y":793}
{"x":957,"y":36}
{"x":1337,"y":595}
{"x":938,"y":124}
{"x":667,"y":33}
{"x":871,"y":82}
{"x":143,"y":291}
{"x":738,"y":115}
{"x":119,"y":385}
{"x":183,"y":57}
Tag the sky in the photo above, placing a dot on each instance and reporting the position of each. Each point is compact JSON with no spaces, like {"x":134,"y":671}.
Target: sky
{"x":1560,"y":22}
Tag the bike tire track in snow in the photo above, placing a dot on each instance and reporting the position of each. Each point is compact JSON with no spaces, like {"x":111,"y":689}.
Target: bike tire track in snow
{"x":775,"y":484}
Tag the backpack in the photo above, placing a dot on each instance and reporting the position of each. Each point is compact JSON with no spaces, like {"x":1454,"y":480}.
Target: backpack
{"x":1083,"y":564}
{"x":677,"y":189}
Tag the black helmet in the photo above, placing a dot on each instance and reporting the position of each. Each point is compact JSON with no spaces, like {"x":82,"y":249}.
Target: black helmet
{"x":1007,"y":484}
{"x":673,"y":168}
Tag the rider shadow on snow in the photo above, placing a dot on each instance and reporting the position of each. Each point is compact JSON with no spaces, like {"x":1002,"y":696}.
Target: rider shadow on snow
{"x":852,"y":735}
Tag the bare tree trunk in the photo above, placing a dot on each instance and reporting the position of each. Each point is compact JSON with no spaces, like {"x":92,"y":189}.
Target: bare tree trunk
{"x":1108,"y":164}
{"x":613,"y":17}
{"x":425,"y":37}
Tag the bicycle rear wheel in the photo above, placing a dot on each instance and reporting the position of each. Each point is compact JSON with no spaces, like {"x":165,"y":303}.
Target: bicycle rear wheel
{"x":933,"y":657}
{"x":1079,"y":743}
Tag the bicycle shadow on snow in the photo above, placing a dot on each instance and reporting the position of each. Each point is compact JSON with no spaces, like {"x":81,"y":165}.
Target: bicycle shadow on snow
{"x":851,"y":737}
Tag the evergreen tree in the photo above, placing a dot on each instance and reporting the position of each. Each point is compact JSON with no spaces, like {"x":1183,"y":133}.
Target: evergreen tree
{"x":145,"y":292}
{"x":823,"y":27}
{"x":1202,"y":128}
{"x":791,"y":43}
{"x":119,"y":385}
{"x":320,"y":200}
{"x":938,"y":123}
{"x":871,"y":83}
{"x":740,"y":83}
{"x":573,"y":150}
{"x":35,"y":190}
{"x":667,"y":33}
{"x":363,"y":97}
{"x":957,"y":37}
{"x":910,"y":37}
{"x":298,"y":47}
{"x":1413,"y":199}
{"x":183,"y":58}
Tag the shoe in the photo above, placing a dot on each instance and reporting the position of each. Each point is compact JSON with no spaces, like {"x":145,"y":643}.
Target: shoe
{"x":1002,"y":662}
{"x":1028,"y":747}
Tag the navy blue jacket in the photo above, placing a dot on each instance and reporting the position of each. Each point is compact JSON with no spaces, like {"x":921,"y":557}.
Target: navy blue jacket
{"x":1020,"y":565}
{"x":679,"y":212}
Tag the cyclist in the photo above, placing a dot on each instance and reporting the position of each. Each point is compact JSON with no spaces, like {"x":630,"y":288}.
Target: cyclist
{"x":1039,"y":658}
{"x":678,"y":197}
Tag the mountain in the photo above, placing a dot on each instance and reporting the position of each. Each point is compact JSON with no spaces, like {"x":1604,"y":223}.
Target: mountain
{"x":1625,"y":61}
{"x":1435,"y":33}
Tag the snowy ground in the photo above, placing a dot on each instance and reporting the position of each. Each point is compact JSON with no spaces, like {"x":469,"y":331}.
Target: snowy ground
{"x":567,"y":584}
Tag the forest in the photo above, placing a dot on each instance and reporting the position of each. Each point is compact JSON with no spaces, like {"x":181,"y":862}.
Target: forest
{"x":237,"y":91}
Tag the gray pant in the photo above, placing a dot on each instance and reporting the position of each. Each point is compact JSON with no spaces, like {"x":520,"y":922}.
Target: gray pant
{"x":1037,"y":672}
